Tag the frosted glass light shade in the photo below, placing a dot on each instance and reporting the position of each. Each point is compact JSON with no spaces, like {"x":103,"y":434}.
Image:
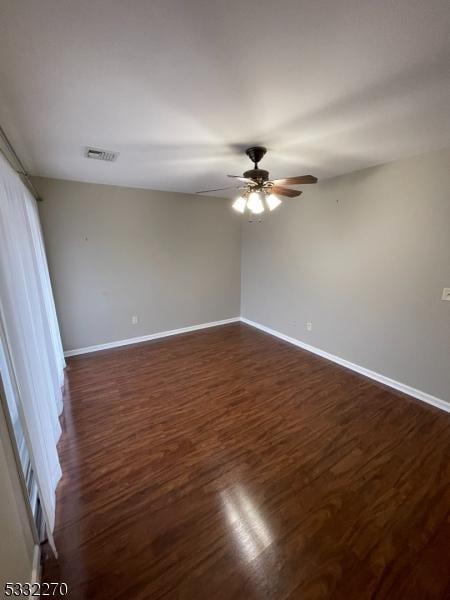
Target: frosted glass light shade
{"x":272,"y":201}
{"x":255,"y":203}
{"x":240,"y":204}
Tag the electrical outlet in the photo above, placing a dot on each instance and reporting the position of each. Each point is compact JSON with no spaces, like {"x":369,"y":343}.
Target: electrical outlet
{"x":134,"y":320}
{"x":446,"y":294}
{"x":308,"y":326}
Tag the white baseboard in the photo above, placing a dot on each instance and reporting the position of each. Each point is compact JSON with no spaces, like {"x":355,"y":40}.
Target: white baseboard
{"x":402,"y":387}
{"x":146,"y":338}
{"x":36,"y":566}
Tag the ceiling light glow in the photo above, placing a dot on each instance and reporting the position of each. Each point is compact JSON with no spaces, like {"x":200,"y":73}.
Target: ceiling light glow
{"x":240,"y":204}
{"x":272,"y":201}
{"x":255,"y":203}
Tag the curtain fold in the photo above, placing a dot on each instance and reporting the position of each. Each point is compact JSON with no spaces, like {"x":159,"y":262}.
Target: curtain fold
{"x":30,"y":325}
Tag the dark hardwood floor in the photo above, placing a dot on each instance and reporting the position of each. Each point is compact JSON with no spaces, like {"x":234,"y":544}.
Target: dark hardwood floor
{"x":226,"y":464}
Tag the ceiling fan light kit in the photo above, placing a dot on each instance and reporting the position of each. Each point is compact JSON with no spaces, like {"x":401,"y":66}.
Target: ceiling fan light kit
{"x":257,"y":191}
{"x":254,"y":202}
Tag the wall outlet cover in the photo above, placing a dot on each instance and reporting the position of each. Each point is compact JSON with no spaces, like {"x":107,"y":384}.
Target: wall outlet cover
{"x":446,"y":294}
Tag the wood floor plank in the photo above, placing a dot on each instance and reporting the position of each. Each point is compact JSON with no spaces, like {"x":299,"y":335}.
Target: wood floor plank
{"x":227,"y":464}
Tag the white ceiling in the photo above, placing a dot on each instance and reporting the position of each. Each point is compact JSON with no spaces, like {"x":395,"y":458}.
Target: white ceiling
{"x":180,"y":87}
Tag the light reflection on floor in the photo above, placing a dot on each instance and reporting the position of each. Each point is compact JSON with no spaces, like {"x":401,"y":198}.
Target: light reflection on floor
{"x":249,"y":528}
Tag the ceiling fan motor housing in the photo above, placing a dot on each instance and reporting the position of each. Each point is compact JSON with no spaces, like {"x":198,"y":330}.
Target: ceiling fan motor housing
{"x":257,"y":174}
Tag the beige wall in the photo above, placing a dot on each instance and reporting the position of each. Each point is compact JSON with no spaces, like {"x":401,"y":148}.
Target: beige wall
{"x":365,"y":258}
{"x":171,"y":259}
{"x":16,"y":540}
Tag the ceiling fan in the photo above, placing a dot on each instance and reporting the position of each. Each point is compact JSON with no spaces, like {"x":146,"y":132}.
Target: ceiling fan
{"x":257,"y":190}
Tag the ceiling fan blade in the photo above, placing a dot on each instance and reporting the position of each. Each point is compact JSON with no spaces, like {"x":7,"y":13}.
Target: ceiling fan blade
{"x":246,"y":179}
{"x":301,"y":179}
{"x":284,"y":191}
{"x":216,"y":189}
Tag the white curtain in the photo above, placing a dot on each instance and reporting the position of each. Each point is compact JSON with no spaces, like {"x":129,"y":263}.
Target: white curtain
{"x":30,"y":325}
